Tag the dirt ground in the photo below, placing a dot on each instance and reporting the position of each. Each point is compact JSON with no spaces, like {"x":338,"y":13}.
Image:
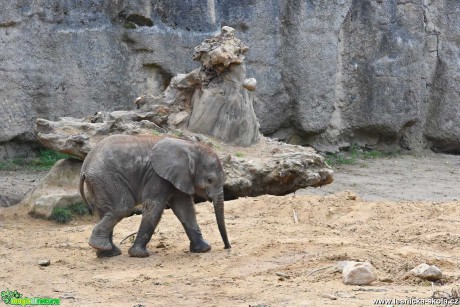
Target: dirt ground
{"x":423,"y":177}
{"x":405,"y":214}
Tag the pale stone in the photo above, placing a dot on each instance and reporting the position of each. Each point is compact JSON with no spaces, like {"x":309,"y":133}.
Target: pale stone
{"x":426,"y":271}
{"x":250,"y":84}
{"x":44,"y":262}
{"x":358,"y":273}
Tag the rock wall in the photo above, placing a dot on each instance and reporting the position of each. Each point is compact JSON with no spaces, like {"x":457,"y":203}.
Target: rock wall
{"x":330,"y":73}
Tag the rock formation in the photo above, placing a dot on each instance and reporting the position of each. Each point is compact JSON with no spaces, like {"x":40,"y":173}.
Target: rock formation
{"x":57,"y":189}
{"x":212,"y":99}
{"x":216,"y":94}
{"x":268,"y":167}
{"x":330,"y":73}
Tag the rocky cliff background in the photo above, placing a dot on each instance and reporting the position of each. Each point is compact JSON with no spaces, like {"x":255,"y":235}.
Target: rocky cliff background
{"x":330,"y":73}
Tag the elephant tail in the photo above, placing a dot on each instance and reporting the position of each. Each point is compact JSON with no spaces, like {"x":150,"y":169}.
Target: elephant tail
{"x":82,"y":193}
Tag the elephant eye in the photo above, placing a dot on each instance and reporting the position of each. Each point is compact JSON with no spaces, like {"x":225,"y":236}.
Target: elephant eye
{"x":209,"y":180}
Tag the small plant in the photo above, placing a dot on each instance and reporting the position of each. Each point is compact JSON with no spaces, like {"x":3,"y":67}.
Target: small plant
{"x":48,"y":158}
{"x":64,"y":215}
{"x":45,"y":160}
{"x":239,"y":154}
{"x":177,"y":133}
{"x":353,"y":154}
{"x":79,"y":209}
{"x":372,"y":154}
{"x":156,"y":132}
{"x":340,"y":159}
{"x":61,"y":215}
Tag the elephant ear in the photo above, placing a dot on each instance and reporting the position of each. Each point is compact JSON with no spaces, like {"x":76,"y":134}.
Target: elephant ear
{"x":173,"y":160}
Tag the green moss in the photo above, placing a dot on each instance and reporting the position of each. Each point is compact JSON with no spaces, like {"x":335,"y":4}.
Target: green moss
{"x":45,"y":161}
{"x":239,"y":154}
{"x":156,"y":133}
{"x":65,"y":215}
{"x":48,"y":158}
{"x":61,"y":215}
{"x":177,"y":133}
{"x":79,"y":209}
{"x":339,"y":159}
{"x":373,"y":154}
{"x":353,"y":154}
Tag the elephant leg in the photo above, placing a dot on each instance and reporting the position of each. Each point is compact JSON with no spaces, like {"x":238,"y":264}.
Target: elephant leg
{"x":150,"y":219}
{"x":184,"y":208}
{"x":112,"y":205}
{"x":115,"y":251}
{"x":101,"y":236}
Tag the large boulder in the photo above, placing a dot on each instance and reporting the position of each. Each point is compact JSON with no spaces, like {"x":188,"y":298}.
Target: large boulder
{"x":59,"y":188}
{"x":267,"y":167}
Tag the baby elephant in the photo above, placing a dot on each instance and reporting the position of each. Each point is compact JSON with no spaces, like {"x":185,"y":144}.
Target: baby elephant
{"x":124,"y":171}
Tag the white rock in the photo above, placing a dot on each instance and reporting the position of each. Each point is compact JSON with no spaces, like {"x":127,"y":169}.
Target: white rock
{"x":428,"y":272}
{"x":342,"y":264}
{"x":358,"y":273}
{"x":44,"y":262}
{"x":228,"y":30}
{"x":250,"y":84}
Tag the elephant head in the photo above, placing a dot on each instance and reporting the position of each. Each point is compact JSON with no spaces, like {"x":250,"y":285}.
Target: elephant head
{"x":192,"y":168}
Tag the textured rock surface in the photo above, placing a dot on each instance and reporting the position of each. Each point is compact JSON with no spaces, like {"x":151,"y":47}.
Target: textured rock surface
{"x":216,"y":94}
{"x":329,"y":73}
{"x":267,"y":167}
{"x":358,"y":273}
{"x":426,"y":271}
{"x":77,"y":136}
{"x":59,"y":188}
{"x":212,"y":100}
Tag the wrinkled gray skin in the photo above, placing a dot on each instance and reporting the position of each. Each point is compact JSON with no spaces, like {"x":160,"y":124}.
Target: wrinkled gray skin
{"x":124,"y":171}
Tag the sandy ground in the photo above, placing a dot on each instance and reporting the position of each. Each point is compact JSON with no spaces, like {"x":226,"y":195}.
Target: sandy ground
{"x":424,"y":177}
{"x":274,"y":260}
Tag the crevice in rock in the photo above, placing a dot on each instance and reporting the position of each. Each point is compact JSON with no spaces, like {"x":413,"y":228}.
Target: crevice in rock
{"x":140,"y":20}
{"x":166,"y":75}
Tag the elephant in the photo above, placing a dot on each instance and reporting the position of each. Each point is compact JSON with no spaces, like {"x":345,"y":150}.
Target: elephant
{"x":123,"y":171}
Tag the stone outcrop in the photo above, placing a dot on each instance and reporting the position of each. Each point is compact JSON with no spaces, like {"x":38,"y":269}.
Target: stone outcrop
{"x":329,"y":73}
{"x":195,"y":102}
{"x":268,"y":167}
{"x":59,"y":188}
{"x":216,"y":94}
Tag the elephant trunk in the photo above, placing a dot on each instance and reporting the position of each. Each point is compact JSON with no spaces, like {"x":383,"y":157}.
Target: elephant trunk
{"x":219,"y":211}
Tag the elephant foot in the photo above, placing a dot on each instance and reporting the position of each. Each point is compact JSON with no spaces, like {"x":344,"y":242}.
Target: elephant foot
{"x":100,"y":243}
{"x":115,"y":251}
{"x":138,"y":251}
{"x":200,"y":247}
